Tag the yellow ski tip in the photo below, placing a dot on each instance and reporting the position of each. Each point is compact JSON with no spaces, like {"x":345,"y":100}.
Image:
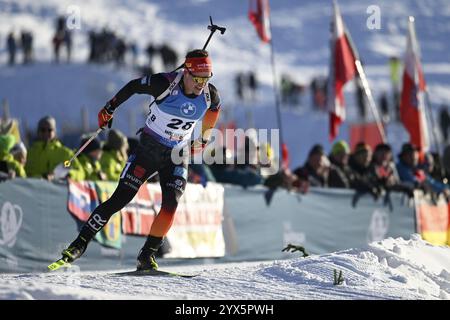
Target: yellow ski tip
{"x":58,"y":264}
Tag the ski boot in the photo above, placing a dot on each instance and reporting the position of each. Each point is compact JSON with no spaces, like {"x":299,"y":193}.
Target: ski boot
{"x":75,"y":249}
{"x":146,"y":258}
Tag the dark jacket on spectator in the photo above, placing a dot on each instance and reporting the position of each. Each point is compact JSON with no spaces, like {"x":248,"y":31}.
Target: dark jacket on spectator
{"x":384,"y":176}
{"x":229,"y":174}
{"x":340,"y":176}
{"x":308,"y":173}
{"x":363,"y":179}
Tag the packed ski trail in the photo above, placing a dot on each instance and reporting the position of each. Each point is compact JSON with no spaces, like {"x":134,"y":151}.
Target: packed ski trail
{"x":390,"y":269}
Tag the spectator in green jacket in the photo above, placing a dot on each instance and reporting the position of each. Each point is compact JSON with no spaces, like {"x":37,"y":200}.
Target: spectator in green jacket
{"x":9,"y":168}
{"x":90,"y":160}
{"x":47,"y":153}
{"x":114,"y":155}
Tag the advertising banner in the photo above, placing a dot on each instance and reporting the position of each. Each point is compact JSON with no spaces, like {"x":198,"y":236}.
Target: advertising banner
{"x":35,"y":225}
{"x":323,"y":220}
{"x":433,"y":218}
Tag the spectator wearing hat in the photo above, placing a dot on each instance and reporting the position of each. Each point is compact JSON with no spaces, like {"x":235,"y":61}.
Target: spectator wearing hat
{"x":341,"y":175}
{"x":383,"y":168}
{"x":19,"y":153}
{"x":9,"y":168}
{"x":410,"y":173}
{"x":47,"y":152}
{"x":114,"y":155}
{"x":316,"y":168}
{"x":407,"y":166}
{"x":90,"y":160}
{"x":384,"y":172}
{"x":360,"y":165}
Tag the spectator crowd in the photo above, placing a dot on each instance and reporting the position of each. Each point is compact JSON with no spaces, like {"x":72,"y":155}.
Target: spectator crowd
{"x":374,"y":172}
{"x":46,"y":155}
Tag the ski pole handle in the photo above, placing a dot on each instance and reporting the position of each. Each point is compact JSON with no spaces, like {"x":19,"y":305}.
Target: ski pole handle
{"x":213,"y":29}
{"x":67,"y":163}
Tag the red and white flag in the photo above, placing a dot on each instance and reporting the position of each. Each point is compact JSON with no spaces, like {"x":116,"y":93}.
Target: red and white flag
{"x":412,"y":104}
{"x":258,"y":14}
{"x":342,"y":70}
{"x":285,"y":159}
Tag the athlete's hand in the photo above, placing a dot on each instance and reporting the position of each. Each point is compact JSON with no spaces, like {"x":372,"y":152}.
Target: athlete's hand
{"x":105,"y":117}
{"x":198,"y":145}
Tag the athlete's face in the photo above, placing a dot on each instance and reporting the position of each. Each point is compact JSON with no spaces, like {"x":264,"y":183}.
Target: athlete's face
{"x":195,"y":82}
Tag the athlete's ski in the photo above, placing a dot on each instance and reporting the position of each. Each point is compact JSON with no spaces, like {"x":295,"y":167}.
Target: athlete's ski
{"x":161,"y":273}
{"x":59,"y":264}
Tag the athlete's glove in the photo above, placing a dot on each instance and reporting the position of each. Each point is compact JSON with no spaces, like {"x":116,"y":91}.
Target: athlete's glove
{"x":105,"y":116}
{"x":198,"y":145}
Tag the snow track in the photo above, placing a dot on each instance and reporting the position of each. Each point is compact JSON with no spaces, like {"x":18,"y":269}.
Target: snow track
{"x":390,"y":269}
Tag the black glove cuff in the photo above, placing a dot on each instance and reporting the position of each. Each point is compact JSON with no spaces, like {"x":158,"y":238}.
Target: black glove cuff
{"x":109,"y":108}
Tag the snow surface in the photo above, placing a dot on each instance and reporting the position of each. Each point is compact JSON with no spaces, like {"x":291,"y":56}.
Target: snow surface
{"x":389,"y":269}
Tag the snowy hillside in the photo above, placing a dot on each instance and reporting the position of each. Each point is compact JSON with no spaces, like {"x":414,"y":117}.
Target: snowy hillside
{"x":301,"y":33}
{"x":390,"y":269}
{"x":66,"y":91}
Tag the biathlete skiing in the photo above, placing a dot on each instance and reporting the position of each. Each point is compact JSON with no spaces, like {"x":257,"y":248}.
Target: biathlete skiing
{"x":182,"y":98}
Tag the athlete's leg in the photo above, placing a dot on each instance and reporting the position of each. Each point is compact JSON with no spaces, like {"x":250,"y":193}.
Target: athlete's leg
{"x":173,"y":183}
{"x":136,"y":171}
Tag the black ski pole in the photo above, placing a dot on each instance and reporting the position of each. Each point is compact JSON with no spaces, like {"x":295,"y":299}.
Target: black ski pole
{"x":67,"y":163}
{"x":213,"y":27}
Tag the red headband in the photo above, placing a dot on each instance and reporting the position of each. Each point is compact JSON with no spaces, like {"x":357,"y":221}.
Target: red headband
{"x":198,"y":64}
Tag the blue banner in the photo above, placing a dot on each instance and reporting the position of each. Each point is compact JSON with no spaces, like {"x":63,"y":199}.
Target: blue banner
{"x":35,"y":225}
{"x":323,"y":221}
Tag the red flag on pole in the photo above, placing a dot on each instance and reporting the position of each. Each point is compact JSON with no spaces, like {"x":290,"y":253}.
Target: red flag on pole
{"x":258,"y":14}
{"x":412,"y":104}
{"x":342,"y":70}
{"x":285,"y":160}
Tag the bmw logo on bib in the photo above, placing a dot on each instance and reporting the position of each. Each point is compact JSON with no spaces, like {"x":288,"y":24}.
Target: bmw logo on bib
{"x":188,"y":109}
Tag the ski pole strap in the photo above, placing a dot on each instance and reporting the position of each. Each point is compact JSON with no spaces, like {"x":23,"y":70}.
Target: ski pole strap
{"x":169,"y":89}
{"x":207,"y":96}
{"x":172,"y":85}
{"x":83,"y":147}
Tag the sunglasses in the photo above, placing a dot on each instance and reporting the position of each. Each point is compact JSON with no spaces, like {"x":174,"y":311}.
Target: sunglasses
{"x":45,"y":129}
{"x":200,"y":80}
